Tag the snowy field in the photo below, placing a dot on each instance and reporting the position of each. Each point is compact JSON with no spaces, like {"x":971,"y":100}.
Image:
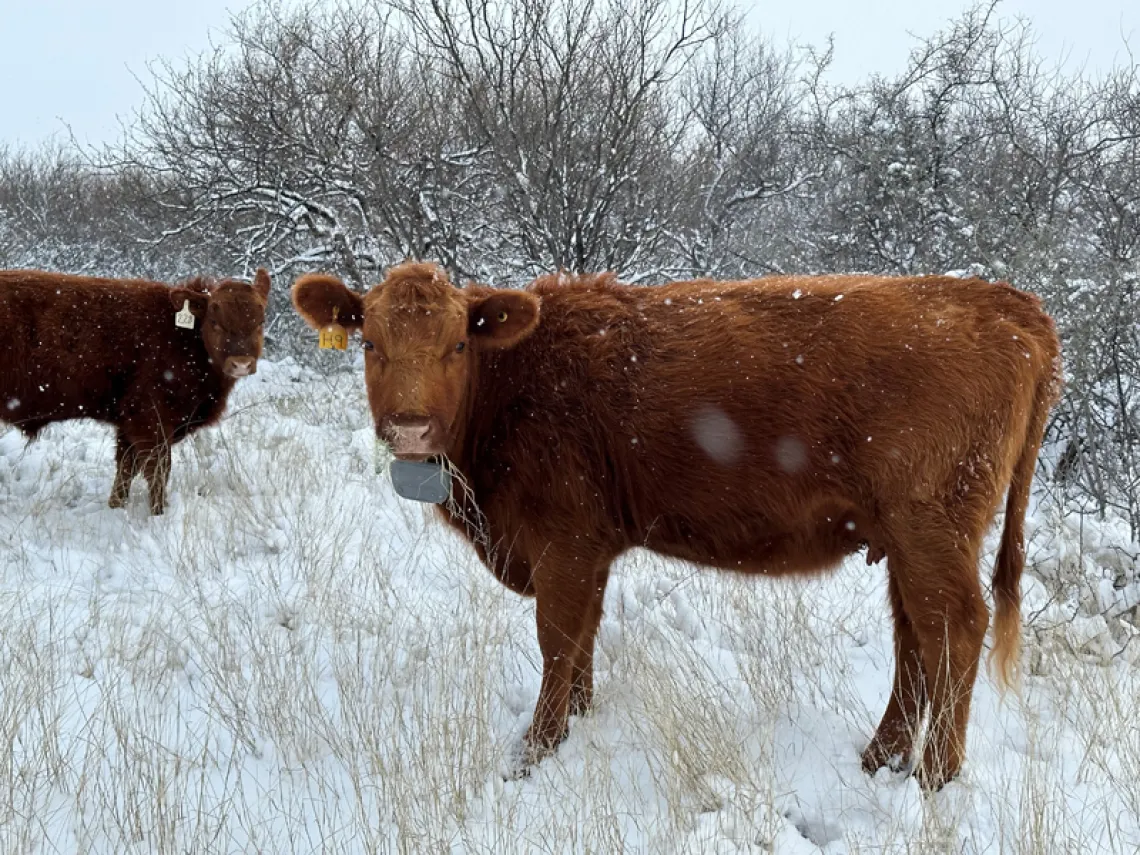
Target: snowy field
{"x":293,"y":660}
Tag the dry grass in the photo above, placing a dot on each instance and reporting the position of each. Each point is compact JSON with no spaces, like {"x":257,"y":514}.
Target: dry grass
{"x":293,"y":661}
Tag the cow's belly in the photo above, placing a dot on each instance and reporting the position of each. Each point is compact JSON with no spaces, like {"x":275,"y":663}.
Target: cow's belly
{"x":31,"y":410}
{"x":812,"y":549}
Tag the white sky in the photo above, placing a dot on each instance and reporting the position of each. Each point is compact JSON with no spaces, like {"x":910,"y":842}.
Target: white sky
{"x":65,"y":62}
{"x":878,"y":35}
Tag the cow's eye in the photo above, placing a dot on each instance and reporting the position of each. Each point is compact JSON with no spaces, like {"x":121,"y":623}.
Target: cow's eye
{"x":460,"y":347}
{"x":367,"y":345}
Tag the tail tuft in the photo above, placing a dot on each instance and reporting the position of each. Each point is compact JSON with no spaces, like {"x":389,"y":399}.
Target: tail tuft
{"x":1005,"y":658}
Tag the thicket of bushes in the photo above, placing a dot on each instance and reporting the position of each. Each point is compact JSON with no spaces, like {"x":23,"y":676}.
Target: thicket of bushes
{"x":658,"y":139}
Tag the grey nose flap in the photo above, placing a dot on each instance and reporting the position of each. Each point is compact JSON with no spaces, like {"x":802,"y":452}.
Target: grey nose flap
{"x":420,"y":482}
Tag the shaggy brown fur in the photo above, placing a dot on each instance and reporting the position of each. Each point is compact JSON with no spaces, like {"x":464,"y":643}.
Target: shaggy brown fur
{"x":771,"y":427}
{"x":108,"y":349}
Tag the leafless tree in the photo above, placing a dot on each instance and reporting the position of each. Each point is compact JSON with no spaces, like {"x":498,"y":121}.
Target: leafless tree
{"x":743,"y":159}
{"x":572,"y":103}
{"x":314,"y":138}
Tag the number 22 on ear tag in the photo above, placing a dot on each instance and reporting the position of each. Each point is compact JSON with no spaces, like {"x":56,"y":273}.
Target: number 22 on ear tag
{"x":184,"y":318}
{"x":333,"y":336}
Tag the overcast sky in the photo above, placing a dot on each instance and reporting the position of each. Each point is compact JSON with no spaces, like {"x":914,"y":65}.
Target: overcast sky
{"x":64,"y":62}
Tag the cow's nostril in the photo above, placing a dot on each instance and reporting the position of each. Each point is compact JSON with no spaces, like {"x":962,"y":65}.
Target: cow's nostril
{"x":241,"y":366}
{"x":413,"y":425}
{"x":409,"y":433}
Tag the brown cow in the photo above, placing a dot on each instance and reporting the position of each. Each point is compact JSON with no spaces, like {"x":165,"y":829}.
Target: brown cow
{"x":109,"y":349}
{"x":769,"y":427}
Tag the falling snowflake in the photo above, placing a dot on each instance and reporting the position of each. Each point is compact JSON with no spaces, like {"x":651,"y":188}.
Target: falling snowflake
{"x":791,"y":453}
{"x":717,"y":435}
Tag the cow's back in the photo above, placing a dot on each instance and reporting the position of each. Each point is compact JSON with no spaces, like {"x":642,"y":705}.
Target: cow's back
{"x":876,"y":384}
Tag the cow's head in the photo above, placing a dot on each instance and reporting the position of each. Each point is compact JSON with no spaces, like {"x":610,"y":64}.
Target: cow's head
{"x":229,"y":316}
{"x":421,"y":337}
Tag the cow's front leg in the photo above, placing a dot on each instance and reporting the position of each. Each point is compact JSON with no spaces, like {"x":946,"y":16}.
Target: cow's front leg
{"x":569,"y":599}
{"x":126,"y":467}
{"x":142,"y":431}
{"x":156,"y":470}
{"x":582,"y":685}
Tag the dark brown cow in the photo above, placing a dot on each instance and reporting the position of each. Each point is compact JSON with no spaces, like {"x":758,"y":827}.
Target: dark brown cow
{"x":109,"y":349}
{"x":769,"y":427}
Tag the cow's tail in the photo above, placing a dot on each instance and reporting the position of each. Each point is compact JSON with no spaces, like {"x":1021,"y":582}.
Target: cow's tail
{"x":1006,"y":651}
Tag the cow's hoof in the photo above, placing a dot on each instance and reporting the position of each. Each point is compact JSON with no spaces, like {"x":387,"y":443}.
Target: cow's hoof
{"x":531,"y":751}
{"x":519,"y":762}
{"x":933,"y":777}
{"x":878,"y":756}
{"x":517,"y":770}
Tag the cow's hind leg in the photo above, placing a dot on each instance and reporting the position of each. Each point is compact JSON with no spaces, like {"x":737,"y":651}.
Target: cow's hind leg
{"x":568,"y":604}
{"x":897,"y":731}
{"x":126,"y":467}
{"x":937,"y":580}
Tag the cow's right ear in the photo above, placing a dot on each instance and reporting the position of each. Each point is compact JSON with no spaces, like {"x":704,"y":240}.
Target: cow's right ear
{"x":322,"y":299}
{"x":197,"y":300}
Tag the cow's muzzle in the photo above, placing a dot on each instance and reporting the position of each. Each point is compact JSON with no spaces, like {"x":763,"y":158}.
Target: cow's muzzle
{"x":240,"y":366}
{"x":411,"y":437}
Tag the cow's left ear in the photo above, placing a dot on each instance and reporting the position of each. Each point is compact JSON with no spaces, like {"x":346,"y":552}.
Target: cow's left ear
{"x":500,"y":319}
{"x":198,"y":300}
{"x":322,"y":299}
{"x":261,"y":283}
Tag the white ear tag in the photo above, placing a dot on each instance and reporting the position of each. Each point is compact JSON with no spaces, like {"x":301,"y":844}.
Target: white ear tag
{"x":184,"y":318}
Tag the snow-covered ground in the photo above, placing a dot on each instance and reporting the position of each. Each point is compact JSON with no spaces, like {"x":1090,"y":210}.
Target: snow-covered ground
{"x":294,"y":660}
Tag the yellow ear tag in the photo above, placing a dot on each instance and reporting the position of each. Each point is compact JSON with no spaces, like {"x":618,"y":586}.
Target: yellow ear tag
{"x":333,"y":336}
